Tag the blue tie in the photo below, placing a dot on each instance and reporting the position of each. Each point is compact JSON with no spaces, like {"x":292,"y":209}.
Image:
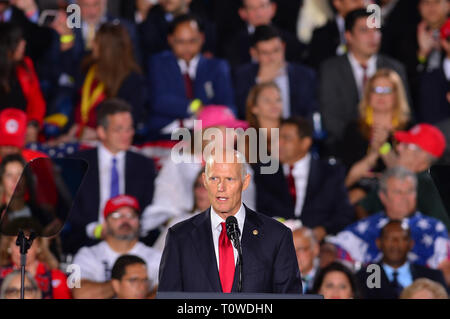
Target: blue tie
{"x":114,"y":179}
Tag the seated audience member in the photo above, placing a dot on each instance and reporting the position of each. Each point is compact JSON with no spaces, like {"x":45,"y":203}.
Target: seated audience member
{"x":397,"y":272}
{"x":173,"y":185}
{"x":329,"y":40}
{"x":10,"y":288}
{"x":418,"y":149}
{"x":201,"y":203}
{"x":264,"y":110}
{"x":11,"y":168}
{"x":398,"y":191}
{"x":343,"y":78}
{"x":424,"y":288}
{"x":19,"y":83}
{"x":383,"y":110}
{"x":336,"y":281}
{"x":13,"y":130}
{"x":154,"y":29}
{"x":297,"y":83}
{"x":121,"y":233}
{"x":41,"y":264}
{"x":129,"y":278}
{"x":434,"y":86}
{"x":255,"y":13}
{"x":113,"y":170}
{"x":182,"y":79}
{"x":304,"y":187}
{"x":307,"y":249}
{"x":110,"y":71}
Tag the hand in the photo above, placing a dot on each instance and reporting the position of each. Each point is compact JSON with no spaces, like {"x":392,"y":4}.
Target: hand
{"x":27,"y":6}
{"x":425,"y":40}
{"x":319,"y":233}
{"x":268,"y":72}
{"x":380,"y":136}
{"x":88,"y":134}
{"x":60,"y":26}
{"x":362,"y":169}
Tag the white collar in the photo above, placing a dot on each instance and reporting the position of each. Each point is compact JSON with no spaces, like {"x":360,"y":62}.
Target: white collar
{"x":216,"y":220}
{"x":446,"y":67}
{"x":191,"y":69}
{"x":371,"y":63}
{"x":302,"y":165}
{"x":105,"y":154}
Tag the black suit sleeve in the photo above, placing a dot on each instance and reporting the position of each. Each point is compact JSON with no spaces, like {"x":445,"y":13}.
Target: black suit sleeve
{"x":286,"y":274}
{"x":170,"y":267}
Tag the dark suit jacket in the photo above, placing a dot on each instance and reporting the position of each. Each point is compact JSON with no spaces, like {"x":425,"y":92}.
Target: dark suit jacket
{"x":302,"y":88}
{"x":338,"y":93}
{"x":212,"y":85}
{"x":324,"y":43}
{"x":433,"y":105}
{"x":326,"y":201}
{"x":386,"y":291}
{"x":269,"y":261}
{"x":139,"y":177}
{"x":237,"y":49}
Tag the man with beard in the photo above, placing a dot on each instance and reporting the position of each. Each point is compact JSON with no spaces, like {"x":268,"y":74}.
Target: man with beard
{"x":121,"y":224}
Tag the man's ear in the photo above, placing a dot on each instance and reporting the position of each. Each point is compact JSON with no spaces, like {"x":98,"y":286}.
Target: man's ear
{"x":204,"y":179}
{"x":382,"y":197}
{"x":254,"y":54}
{"x":243,"y":14}
{"x":116,"y":285}
{"x":411,"y":244}
{"x":101,"y":133}
{"x":306,"y":143}
{"x":378,"y":243}
{"x":348,"y":36}
{"x":170,"y":40}
{"x":246,"y":182}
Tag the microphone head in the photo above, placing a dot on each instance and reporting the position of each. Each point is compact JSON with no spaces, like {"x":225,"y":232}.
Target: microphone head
{"x":232,"y":226}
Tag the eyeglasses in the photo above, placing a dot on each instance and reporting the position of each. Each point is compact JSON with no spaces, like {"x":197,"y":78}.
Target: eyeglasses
{"x":382,"y":90}
{"x":15,"y":292}
{"x":119,"y":215}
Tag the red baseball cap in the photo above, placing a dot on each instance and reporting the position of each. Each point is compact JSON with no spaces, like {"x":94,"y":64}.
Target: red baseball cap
{"x":120,"y":201}
{"x":445,"y":30}
{"x":13,"y":127}
{"x":426,"y":136}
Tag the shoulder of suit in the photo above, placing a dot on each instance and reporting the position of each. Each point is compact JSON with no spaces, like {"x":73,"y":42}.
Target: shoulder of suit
{"x":269,"y":224}
{"x":88,"y":154}
{"x":186,"y":226}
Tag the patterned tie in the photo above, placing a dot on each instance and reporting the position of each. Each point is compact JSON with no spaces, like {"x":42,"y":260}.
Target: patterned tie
{"x":226,"y":261}
{"x":114,"y":179}
{"x":365,"y":77}
{"x":291,"y":184}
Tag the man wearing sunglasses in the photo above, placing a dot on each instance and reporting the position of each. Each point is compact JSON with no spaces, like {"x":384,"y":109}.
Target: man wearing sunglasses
{"x":121,"y":215}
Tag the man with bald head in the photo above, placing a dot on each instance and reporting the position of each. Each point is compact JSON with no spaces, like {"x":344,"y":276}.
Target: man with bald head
{"x":199,"y":256}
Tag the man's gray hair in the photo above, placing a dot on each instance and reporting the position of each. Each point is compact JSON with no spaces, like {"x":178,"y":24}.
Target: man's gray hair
{"x":308,"y":234}
{"x":7,"y":281}
{"x":398,"y":172}
{"x":237,"y":158}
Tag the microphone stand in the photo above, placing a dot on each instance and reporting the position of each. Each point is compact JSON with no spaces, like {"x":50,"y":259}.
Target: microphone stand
{"x":239,"y":262}
{"x":24,"y":243}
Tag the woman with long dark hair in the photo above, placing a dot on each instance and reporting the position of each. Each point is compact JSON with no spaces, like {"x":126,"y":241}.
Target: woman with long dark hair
{"x":109,"y":71}
{"x":19,"y":84}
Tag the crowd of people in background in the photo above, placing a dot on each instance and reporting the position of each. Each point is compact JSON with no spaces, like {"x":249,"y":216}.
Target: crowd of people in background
{"x":362,"y":113}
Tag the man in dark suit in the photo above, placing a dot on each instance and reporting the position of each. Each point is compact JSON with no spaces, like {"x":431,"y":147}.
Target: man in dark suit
{"x":297,"y":83}
{"x":199,"y":256}
{"x":181,"y":78}
{"x":113,"y":170}
{"x":154,"y":30}
{"x":329,"y":41}
{"x":256,"y":13}
{"x":397,"y":273}
{"x":343,"y":78}
{"x":304,"y":186}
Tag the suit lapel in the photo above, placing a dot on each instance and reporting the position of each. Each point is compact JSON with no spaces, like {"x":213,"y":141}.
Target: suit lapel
{"x":250,"y":243}
{"x":203,"y":242}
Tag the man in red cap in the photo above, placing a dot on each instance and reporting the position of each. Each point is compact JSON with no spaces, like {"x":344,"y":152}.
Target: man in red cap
{"x":13,"y":129}
{"x":417,"y":150}
{"x":121,"y":232}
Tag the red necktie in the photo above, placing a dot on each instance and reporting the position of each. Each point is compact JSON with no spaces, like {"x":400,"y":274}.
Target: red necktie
{"x":189,"y":86}
{"x":226,"y":261}
{"x":291,"y":184}
{"x":365,"y":78}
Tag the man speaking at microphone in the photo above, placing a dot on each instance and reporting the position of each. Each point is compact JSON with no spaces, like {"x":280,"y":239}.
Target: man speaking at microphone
{"x":200,"y":257}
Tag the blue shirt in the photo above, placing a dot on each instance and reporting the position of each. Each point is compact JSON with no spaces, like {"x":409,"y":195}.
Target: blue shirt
{"x":404,"y":276}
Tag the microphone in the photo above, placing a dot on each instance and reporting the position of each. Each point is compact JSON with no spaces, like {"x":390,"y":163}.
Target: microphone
{"x":233,"y":231}
{"x":234,"y":234}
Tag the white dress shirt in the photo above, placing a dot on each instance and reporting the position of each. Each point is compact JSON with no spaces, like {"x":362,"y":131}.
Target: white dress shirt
{"x":300,"y":172}
{"x":216,"y":227}
{"x":447,"y":68}
{"x":358,"y":71}
{"x":190,"y":69}
{"x":282,"y":82}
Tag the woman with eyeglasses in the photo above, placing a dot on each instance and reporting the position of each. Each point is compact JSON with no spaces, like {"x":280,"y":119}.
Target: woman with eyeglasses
{"x":367,"y":142}
{"x":41,"y":265}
